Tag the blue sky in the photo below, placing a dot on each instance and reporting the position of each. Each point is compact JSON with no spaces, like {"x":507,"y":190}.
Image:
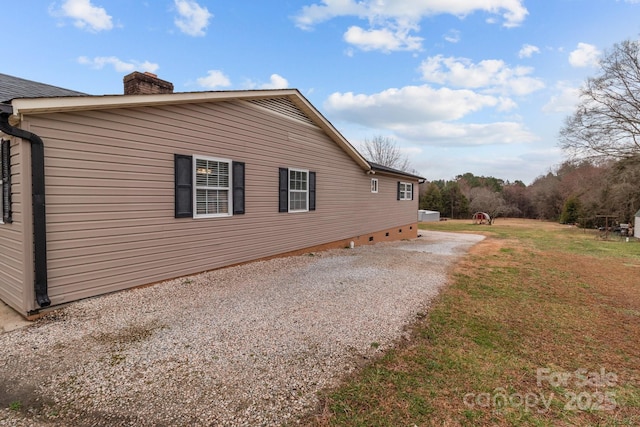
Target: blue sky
{"x":479,"y":86}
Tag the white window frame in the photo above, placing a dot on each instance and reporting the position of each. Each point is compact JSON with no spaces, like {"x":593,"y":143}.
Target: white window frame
{"x":406,"y":191}
{"x":228,"y":188}
{"x":374,"y":185}
{"x":295,"y":191}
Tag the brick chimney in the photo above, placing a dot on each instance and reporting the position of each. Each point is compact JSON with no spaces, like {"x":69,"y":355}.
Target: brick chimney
{"x":145,"y":83}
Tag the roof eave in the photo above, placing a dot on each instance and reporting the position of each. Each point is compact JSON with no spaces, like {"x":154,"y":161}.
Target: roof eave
{"x":383,"y":170}
{"x":80,"y":103}
{"x":23,"y":106}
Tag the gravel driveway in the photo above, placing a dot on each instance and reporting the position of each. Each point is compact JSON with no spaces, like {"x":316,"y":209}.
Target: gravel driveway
{"x":246,"y":345}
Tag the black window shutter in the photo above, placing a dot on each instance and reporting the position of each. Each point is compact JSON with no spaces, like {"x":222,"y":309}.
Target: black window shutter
{"x":283,"y":202}
{"x":398,"y":190}
{"x":5,"y":157}
{"x":411,"y":191}
{"x":312,"y":191}
{"x":183,"y":186}
{"x":238,"y":188}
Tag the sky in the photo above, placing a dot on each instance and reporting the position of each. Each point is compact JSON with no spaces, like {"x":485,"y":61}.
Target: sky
{"x":480,"y":86}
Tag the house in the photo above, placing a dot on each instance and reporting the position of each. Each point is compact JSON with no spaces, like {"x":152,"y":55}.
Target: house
{"x":104,"y":193}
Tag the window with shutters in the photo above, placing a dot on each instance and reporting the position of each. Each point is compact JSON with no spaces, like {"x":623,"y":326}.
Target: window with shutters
{"x":208,"y":187}
{"x":213,"y":187}
{"x":405,"y":191}
{"x":298,"y":190}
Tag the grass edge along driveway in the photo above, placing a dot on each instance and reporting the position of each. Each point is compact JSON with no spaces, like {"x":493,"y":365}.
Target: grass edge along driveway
{"x":539,"y":326}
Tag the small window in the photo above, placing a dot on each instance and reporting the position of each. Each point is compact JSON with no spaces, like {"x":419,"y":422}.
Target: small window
{"x":212,"y":195}
{"x":298,"y":190}
{"x":405,"y":191}
{"x":374,"y":185}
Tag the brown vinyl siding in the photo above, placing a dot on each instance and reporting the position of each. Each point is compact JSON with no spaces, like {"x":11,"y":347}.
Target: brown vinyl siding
{"x":15,"y":238}
{"x":110,"y":193}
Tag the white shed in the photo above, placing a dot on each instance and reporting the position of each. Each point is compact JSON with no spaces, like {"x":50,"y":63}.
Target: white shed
{"x":636,"y":230}
{"x":428,"y":216}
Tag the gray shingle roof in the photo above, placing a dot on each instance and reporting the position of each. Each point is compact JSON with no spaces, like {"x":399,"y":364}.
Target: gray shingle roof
{"x":382,"y":168}
{"x":15,"y":87}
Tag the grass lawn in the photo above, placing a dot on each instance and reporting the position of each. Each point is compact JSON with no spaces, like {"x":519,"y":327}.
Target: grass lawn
{"x":540,"y":325}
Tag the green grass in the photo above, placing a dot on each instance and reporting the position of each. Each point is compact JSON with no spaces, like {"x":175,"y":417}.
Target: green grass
{"x":532,"y":296}
{"x":548,"y":236}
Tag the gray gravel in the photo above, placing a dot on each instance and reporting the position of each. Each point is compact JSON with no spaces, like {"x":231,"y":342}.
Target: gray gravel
{"x":246,"y":345}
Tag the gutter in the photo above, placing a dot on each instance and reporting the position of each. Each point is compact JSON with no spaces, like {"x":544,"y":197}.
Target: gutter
{"x":375,"y":167}
{"x":37,"y":198}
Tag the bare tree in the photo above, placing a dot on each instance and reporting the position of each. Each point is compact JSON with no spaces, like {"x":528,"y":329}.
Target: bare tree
{"x":384,"y":151}
{"x":622,"y":195}
{"x":606,"y":123}
{"x":484,"y":200}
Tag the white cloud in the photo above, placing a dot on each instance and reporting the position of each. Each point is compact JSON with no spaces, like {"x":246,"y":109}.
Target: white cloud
{"x":193,"y":19}
{"x":564,"y":100}
{"x":276,"y":81}
{"x":452,"y":36}
{"x":585,"y":55}
{"x":384,"y":39}
{"x":467,"y":134}
{"x":528,"y":50}
{"x":491,"y":75}
{"x":120,"y":66}
{"x":214,"y":79}
{"x":86,"y":16}
{"x":428,"y":116}
{"x":410,"y":104}
{"x":512,"y":11}
{"x":392,"y":22}
{"x":313,"y":14}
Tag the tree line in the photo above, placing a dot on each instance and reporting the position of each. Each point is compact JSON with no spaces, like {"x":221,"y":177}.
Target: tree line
{"x":574,"y":192}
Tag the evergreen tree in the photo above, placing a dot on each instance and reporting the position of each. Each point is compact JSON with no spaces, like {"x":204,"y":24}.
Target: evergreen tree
{"x":454,"y":203}
{"x":431,"y":198}
{"x":571,"y":211}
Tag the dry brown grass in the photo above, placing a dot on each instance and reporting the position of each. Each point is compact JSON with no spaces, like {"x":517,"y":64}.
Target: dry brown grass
{"x":533,"y":295}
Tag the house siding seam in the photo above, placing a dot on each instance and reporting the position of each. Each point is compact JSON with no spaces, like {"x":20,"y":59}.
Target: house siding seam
{"x":110,"y":193}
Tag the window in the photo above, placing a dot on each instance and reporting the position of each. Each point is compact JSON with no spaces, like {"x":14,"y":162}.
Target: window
{"x":405,"y":191}
{"x":5,"y":182}
{"x":208,"y":187}
{"x":297,"y":190}
{"x":374,"y":185}
{"x":212,"y":195}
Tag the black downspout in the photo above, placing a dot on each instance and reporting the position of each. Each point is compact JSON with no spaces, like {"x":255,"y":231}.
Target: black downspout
{"x":37,"y":197}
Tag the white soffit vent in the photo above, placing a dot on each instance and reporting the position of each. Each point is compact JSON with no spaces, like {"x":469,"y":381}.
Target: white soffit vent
{"x":285,"y":107}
